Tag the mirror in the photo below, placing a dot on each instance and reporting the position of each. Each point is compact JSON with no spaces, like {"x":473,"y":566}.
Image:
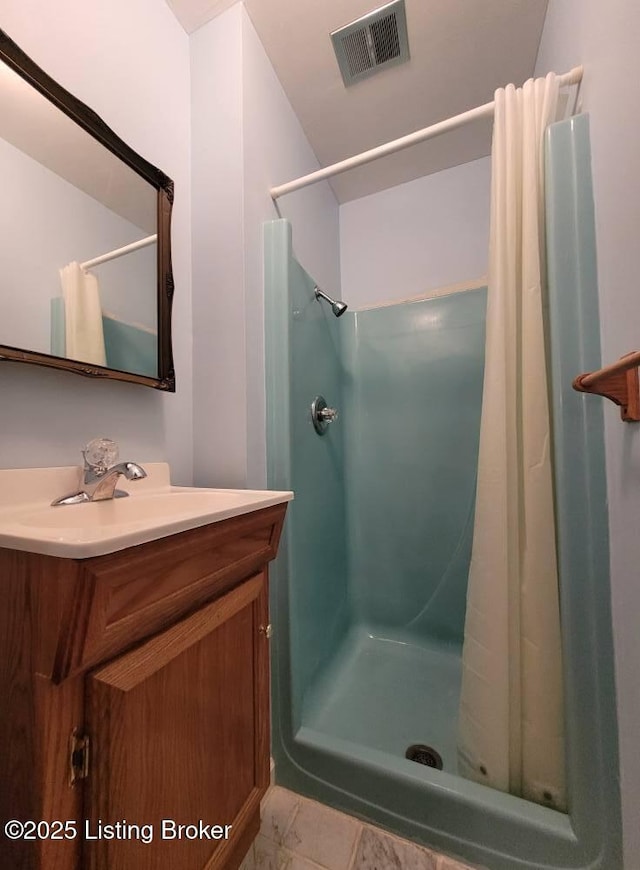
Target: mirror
{"x":86,"y":283}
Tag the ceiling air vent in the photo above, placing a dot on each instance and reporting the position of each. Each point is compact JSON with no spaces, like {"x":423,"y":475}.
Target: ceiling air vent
{"x":377,"y":40}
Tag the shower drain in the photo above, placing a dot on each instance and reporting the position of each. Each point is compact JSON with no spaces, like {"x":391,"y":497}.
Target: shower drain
{"x":423,"y":754}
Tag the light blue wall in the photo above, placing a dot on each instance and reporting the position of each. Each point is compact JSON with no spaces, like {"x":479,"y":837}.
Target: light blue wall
{"x":246,"y":138}
{"x":418,"y":236}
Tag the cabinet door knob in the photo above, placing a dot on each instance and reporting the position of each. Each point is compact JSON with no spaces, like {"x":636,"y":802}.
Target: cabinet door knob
{"x":267,"y":630}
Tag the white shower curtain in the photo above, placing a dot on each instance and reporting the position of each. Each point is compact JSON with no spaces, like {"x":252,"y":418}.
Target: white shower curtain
{"x":511,"y":729}
{"x":84,"y":336}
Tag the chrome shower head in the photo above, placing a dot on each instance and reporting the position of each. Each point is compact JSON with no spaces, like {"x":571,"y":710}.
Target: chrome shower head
{"x":337,"y":306}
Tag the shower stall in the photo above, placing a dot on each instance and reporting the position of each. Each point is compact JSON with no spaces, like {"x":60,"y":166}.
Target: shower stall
{"x":405,"y":447}
{"x":369,"y":592}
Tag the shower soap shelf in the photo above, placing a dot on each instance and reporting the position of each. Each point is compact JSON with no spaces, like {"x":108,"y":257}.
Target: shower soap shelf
{"x":617,"y":382}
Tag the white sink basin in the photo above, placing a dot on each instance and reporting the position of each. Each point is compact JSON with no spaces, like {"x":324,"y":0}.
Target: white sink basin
{"x":154,"y":509}
{"x":158,"y":507}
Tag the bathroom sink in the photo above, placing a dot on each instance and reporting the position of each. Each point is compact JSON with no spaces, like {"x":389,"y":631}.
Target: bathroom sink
{"x":154,"y":510}
{"x":160,"y":507}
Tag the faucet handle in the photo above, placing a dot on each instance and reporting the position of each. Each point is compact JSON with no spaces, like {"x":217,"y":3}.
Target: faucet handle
{"x":100,"y":454}
{"x":322,"y":414}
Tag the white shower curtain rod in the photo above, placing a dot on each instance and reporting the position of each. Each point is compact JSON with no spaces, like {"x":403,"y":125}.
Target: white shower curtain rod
{"x":119,"y":252}
{"x":573,"y":77}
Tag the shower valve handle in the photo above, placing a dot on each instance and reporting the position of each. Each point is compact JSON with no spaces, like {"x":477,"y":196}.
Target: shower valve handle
{"x":329,"y":415}
{"x":322,"y":415}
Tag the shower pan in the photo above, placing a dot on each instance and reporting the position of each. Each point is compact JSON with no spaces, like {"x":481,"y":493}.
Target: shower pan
{"x":369,"y":592}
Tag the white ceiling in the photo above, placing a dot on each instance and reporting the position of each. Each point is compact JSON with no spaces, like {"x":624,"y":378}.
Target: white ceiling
{"x":192,"y":14}
{"x":461,"y":51}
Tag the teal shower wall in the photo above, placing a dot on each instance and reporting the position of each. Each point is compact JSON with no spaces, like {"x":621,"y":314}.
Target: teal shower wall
{"x":306,"y":362}
{"x":581,"y":495}
{"x":128,"y":348}
{"x":412,"y":401}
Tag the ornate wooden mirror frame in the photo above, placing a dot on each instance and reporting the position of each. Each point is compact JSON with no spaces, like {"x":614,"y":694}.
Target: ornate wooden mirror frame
{"x":86,"y":118}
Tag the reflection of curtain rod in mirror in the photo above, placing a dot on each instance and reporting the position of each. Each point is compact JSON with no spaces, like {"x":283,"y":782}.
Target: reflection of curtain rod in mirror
{"x":119,"y":252}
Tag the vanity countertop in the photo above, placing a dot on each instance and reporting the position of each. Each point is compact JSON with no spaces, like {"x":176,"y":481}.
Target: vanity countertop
{"x":155,"y":509}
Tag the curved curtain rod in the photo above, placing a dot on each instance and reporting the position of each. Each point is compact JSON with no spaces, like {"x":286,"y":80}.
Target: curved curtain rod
{"x":573,"y":77}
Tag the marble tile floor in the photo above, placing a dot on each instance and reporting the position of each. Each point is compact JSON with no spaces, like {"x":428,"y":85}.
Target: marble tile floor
{"x":299,"y":834}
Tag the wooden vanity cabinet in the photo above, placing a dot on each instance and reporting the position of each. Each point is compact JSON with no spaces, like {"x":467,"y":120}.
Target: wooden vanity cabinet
{"x":135,"y":689}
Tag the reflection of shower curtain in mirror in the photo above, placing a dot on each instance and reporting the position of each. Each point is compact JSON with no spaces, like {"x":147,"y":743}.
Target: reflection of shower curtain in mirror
{"x":511,"y":731}
{"x":83,"y":315}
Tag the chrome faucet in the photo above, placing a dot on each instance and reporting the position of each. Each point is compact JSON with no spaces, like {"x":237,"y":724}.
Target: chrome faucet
{"x":100,"y":474}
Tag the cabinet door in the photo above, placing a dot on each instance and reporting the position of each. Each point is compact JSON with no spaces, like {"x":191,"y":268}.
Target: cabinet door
{"x":179,"y":731}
